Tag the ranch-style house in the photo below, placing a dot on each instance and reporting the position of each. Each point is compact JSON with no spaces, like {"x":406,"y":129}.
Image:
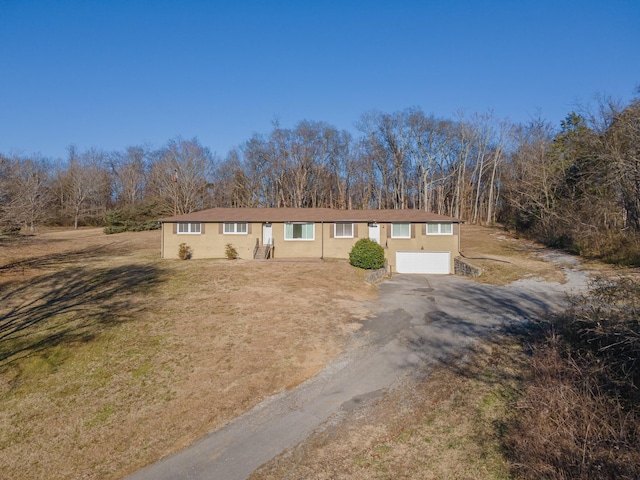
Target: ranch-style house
{"x":414,"y":241}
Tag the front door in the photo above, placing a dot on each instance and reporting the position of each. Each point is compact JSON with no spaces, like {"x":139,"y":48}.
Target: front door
{"x":374,"y":232}
{"x":267,"y":238}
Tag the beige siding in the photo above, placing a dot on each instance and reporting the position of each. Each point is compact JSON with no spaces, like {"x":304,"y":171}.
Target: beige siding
{"x":296,"y":248}
{"x":340,"y":247}
{"x":427,"y":243}
{"x":211,"y":243}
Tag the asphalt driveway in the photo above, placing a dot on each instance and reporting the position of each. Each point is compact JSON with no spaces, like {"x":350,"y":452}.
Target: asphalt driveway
{"x":419,"y":321}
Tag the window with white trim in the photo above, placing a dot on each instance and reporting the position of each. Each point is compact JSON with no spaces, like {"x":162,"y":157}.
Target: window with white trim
{"x":343,"y":230}
{"x":439,"y":228}
{"x":400,"y":230}
{"x":188,"y":227}
{"x":298,"y":231}
{"x":235,"y":228}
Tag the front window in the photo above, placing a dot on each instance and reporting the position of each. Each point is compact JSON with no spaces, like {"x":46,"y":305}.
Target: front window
{"x":400,"y":230}
{"x":344,"y":230}
{"x":298,"y":231}
{"x":439,"y":228}
{"x":184,"y":227}
{"x":235,"y":228}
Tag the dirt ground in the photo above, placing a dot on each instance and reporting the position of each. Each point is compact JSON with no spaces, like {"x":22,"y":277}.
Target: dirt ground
{"x":505,"y":258}
{"x":111,"y":358}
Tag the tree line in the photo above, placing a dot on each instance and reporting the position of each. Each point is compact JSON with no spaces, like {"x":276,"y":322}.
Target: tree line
{"x":575,"y":186}
{"x":578,"y":188}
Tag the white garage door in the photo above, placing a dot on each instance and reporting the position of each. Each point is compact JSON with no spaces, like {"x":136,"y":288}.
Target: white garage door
{"x":423,"y":262}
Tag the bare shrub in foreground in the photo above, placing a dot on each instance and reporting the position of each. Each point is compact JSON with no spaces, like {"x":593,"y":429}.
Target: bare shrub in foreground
{"x":579,"y":417}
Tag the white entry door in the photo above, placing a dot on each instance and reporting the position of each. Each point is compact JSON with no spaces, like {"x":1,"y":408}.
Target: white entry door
{"x":374,"y":232}
{"x":267,"y":238}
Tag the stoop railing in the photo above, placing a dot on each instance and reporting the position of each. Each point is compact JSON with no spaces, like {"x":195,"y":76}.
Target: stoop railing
{"x":264,"y":252}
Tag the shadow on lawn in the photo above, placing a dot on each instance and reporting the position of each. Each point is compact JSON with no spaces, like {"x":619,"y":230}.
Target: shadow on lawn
{"x":70,"y":305}
{"x":59,"y":258}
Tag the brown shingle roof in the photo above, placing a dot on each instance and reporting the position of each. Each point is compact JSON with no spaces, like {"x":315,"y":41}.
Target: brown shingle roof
{"x":308,"y":215}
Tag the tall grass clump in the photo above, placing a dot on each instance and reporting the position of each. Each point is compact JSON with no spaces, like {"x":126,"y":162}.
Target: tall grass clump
{"x":230,"y":252}
{"x":580,"y":416}
{"x":185,"y":252}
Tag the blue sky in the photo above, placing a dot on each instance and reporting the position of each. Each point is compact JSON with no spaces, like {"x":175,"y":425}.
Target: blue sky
{"x":111,"y":74}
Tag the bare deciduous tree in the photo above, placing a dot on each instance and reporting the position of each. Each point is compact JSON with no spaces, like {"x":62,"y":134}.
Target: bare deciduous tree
{"x":84,"y":188}
{"x":130,"y":169}
{"x":181,"y":177}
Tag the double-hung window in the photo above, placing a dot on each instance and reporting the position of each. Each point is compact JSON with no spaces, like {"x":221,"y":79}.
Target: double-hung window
{"x":235,"y":228}
{"x":189,"y":227}
{"x":400,"y":230}
{"x":298,"y":231}
{"x":343,"y":230}
{"x":439,"y":229}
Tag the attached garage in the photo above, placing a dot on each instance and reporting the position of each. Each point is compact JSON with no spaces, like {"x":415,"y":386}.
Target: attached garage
{"x":423,"y":262}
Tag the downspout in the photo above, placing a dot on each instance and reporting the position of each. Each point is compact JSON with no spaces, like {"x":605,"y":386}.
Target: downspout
{"x":162,"y":241}
{"x":322,"y":240}
{"x":459,"y":233}
{"x":459,"y":252}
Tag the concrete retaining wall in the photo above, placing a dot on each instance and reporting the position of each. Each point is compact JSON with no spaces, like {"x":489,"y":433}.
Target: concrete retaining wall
{"x":375,"y":276}
{"x":465,"y":269}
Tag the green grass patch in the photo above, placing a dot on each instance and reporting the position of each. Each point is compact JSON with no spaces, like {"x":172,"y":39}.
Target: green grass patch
{"x":143,"y":370}
{"x":46,"y":363}
{"x":102,"y":415}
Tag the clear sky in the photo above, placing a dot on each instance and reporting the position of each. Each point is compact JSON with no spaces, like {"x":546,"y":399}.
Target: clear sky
{"x":111,"y":74}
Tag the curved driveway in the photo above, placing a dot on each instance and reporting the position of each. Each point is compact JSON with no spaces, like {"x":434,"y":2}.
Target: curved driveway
{"x":419,"y":320}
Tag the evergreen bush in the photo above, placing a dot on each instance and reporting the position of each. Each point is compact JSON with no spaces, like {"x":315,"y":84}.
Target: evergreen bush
{"x":367,"y":254}
{"x":118,"y":221}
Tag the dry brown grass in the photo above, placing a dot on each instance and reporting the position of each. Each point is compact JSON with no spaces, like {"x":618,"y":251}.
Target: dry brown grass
{"x":579,"y":417}
{"x":568,"y":427}
{"x":504,"y":258}
{"x":449,"y":425}
{"x":111,"y":358}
